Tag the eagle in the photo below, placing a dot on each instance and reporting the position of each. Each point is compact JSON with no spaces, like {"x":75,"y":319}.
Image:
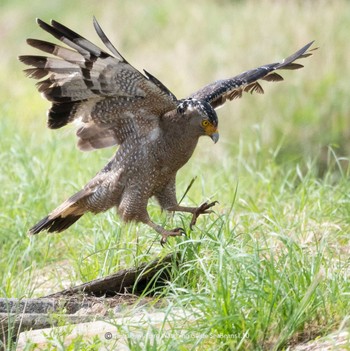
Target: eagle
{"x":113,"y":103}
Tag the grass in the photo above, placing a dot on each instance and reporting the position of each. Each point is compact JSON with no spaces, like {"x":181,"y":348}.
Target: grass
{"x":270,"y":267}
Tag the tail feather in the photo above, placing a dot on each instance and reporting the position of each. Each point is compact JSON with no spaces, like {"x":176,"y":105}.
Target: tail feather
{"x":64,"y":215}
{"x":56,"y":224}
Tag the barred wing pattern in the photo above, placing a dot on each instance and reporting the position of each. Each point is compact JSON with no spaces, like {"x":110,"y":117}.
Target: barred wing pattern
{"x":103,"y":92}
{"x":219,"y":91}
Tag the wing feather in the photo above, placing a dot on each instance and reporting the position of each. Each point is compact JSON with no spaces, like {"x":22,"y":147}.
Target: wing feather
{"x":218,"y":92}
{"x":108,"y":96}
{"x":273,"y":77}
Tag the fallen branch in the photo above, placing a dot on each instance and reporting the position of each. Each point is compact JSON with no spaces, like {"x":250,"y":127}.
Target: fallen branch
{"x":132,"y":280}
{"x":82,"y":303}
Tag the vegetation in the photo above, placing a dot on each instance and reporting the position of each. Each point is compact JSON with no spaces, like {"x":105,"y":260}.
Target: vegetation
{"x":270,"y":267}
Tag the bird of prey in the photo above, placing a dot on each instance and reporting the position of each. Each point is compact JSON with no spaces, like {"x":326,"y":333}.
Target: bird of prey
{"x":115,"y":104}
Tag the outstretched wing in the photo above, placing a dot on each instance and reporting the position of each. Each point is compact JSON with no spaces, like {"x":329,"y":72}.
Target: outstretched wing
{"x":110,"y":98}
{"x":218,"y":92}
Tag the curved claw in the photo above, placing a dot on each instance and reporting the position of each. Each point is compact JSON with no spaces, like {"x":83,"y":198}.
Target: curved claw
{"x":175,"y":232}
{"x":202,"y":209}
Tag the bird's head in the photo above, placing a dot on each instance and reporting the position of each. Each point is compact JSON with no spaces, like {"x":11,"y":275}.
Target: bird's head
{"x":201,"y":116}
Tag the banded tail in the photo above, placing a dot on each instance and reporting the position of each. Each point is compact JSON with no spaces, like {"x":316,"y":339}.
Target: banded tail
{"x":63,"y":216}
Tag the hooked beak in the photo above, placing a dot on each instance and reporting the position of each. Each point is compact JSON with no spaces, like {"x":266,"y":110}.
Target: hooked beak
{"x":215,"y":137}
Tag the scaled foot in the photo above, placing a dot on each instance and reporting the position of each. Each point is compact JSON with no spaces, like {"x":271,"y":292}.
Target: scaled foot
{"x":174,"y":232}
{"x":202,"y":209}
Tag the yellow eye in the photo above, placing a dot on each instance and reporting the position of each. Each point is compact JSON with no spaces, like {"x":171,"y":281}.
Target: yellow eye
{"x":205,"y":123}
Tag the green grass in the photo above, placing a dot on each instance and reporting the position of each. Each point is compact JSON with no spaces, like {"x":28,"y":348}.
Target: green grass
{"x":270,"y":267}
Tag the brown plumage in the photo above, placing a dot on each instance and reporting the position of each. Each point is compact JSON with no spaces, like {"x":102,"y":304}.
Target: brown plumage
{"x":117,"y":105}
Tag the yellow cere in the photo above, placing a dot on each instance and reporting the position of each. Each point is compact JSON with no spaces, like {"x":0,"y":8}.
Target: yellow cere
{"x":209,"y":128}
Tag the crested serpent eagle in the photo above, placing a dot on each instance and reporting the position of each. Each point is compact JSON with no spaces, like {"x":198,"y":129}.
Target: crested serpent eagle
{"x":115,"y":104}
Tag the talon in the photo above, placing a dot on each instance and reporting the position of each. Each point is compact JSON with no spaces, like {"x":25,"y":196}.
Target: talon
{"x":163,"y":240}
{"x":193,"y":222}
{"x":180,"y":230}
{"x":202,"y":209}
{"x":206,"y":206}
{"x":175,"y":232}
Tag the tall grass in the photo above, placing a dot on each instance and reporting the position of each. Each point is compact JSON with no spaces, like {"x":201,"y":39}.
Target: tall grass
{"x":270,"y":267}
